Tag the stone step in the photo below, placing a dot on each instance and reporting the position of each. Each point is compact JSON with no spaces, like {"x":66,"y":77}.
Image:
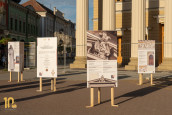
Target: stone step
{"x":165,"y":67}
{"x":131,"y":67}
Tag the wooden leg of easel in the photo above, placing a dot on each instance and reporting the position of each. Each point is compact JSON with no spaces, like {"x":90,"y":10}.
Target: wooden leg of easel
{"x":91,"y":98}
{"x":152,"y":80}
{"x":51,"y":84}
{"x":40,"y":85}
{"x":18,"y":77}
{"x":54,"y":84}
{"x":99,"y":95}
{"x":10,"y":77}
{"x":22,"y":76}
{"x":140,"y":79}
{"x":112,"y":97}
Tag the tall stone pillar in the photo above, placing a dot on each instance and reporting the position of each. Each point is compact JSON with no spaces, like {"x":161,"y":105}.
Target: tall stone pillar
{"x":138,"y":31}
{"x":81,"y":37}
{"x":167,"y":60}
{"x":109,"y":15}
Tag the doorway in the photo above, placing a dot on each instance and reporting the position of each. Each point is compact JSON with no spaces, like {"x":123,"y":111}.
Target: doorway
{"x":161,"y":54}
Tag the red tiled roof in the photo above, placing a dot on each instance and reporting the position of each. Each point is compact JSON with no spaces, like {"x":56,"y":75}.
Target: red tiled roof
{"x":36,"y":5}
{"x":47,"y":9}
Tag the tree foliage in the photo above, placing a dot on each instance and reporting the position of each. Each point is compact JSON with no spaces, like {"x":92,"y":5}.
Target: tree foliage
{"x":4,"y":41}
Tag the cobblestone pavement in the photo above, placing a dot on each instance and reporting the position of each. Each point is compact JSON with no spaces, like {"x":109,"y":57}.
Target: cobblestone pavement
{"x":72,"y":95}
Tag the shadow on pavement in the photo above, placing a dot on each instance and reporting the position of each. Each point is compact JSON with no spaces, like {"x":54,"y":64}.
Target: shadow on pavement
{"x":160,"y":84}
{"x":27,"y":83}
{"x":70,"y":88}
{"x":123,"y":77}
{"x":27,"y":87}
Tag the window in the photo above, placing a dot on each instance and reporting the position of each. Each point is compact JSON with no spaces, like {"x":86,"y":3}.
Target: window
{"x":11,"y":23}
{"x":15,"y":24}
{"x":34,"y":30}
{"x":24,"y":27}
{"x":31,"y":29}
{"x":19,"y":26}
{"x":28,"y":28}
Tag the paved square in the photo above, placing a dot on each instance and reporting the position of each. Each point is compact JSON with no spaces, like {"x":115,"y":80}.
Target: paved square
{"x":72,"y":96}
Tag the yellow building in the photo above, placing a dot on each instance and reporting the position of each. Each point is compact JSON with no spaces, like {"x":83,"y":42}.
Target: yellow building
{"x":154,"y":27}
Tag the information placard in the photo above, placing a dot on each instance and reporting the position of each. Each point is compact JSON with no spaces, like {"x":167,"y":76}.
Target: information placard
{"x":15,"y":56}
{"x":146,"y":56}
{"x":47,"y":57}
{"x":101,"y":59}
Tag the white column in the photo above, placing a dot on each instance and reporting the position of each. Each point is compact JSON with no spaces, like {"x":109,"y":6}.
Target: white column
{"x":109,"y":15}
{"x":137,"y":31}
{"x":81,"y":36}
{"x":138,"y":25}
{"x":168,"y":29}
{"x":81,"y":27}
{"x":167,"y":59}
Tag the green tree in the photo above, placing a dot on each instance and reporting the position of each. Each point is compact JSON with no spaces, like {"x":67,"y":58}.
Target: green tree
{"x":5,"y":41}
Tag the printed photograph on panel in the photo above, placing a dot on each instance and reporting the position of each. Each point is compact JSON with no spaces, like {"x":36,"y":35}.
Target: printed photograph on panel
{"x":101,"y":59}
{"x":14,"y":56}
{"x":101,"y":45}
{"x":11,"y":60}
{"x":150,"y":58}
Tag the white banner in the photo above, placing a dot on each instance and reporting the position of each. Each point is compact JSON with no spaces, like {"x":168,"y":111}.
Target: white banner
{"x":15,"y":56}
{"x":47,"y":57}
{"x":146,"y":56}
{"x":101,"y":59}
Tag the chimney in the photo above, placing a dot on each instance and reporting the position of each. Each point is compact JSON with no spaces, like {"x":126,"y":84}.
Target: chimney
{"x":54,"y":10}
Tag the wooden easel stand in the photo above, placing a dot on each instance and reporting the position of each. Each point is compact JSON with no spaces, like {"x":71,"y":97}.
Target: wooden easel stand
{"x":99,"y":97}
{"x":53,"y":84}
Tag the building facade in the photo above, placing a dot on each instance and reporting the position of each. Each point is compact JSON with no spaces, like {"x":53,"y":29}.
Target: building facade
{"x":3,"y":17}
{"x":133,"y":20}
{"x":22,"y":23}
{"x":128,"y":16}
{"x":64,"y":30}
{"x":53,"y":23}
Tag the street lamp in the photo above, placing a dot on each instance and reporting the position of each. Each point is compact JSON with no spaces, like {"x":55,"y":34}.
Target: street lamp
{"x":63,"y":37}
{"x":64,"y":53}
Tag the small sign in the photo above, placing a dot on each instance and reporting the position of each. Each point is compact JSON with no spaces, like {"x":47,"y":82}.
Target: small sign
{"x":47,"y":57}
{"x":146,"y":56}
{"x":15,"y":56}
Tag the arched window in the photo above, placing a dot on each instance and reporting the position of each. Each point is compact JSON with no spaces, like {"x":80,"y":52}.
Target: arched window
{"x":151,"y":60}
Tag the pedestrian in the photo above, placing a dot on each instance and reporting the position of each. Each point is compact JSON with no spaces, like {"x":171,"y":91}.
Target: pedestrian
{"x":3,"y":61}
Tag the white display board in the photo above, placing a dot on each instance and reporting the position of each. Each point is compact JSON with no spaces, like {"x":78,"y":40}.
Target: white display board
{"x":102,"y":59}
{"x":146,"y":56}
{"x":15,"y":56}
{"x":47,"y":57}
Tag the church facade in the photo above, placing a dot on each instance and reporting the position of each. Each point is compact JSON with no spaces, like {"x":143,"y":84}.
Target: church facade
{"x":133,"y":20}
{"x":133,"y":17}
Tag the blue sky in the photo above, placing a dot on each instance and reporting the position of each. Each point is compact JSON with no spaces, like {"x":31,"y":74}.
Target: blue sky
{"x":68,"y":7}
